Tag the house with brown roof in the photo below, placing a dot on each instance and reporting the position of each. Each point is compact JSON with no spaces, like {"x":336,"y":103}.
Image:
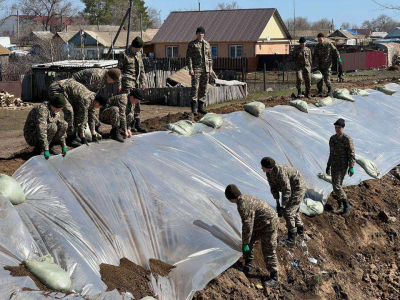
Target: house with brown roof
{"x":231,"y":33}
{"x":4,"y":55}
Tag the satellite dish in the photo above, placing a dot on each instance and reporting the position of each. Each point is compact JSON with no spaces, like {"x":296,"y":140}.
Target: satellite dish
{"x":268,"y":38}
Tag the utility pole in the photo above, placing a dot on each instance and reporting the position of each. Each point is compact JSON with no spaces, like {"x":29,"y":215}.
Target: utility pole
{"x":159,"y":14}
{"x":294,"y":19}
{"x":199,"y":6}
{"x":18,"y":24}
{"x":129,"y":23}
{"x":141,"y":28}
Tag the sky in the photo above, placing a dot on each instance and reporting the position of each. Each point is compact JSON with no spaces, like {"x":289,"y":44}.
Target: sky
{"x":352,"y":11}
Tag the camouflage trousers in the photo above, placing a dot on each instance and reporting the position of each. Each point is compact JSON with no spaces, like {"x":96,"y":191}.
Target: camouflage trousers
{"x":326,"y":73}
{"x":55,"y":133}
{"x":127,"y":87}
{"x":337,"y":184}
{"x":199,"y":86}
{"x":303,"y":75}
{"x":268,"y":237}
{"x":69,"y":118}
{"x":110,"y":115}
{"x":291,"y":211}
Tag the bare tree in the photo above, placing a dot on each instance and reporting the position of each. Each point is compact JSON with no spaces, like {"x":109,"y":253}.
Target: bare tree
{"x":345,"y":25}
{"x":387,"y":6}
{"x":383,"y":23}
{"x":301,"y":24}
{"x":323,"y":24}
{"x":47,"y":10}
{"x":226,"y":6}
{"x":154,"y":18}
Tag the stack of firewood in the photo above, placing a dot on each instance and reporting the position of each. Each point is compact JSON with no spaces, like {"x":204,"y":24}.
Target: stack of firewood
{"x":8,"y":100}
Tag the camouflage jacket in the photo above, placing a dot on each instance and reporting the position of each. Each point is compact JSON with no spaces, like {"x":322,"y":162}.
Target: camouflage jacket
{"x":124,"y":106}
{"x":132,"y":68}
{"x":342,"y":155}
{"x":93,"y":79}
{"x":197,"y":59}
{"x":82,"y":101}
{"x":287,"y":180}
{"x":302,"y":58}
{"x":38,"y":118}
{"x":323,"y":55}
{"x":256,"y":215}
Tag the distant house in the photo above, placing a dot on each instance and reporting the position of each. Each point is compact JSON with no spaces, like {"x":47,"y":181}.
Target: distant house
{"x":394,"y":34}
{"x":75,"y":28}
{"x":346,"y":37}
{"x":362,"y":31}
{"x":231,"y":33}
{"x":36,"y":37}
{"x":4,"y":55}
{"x":310,"y":34}
{"x":378,"y":35}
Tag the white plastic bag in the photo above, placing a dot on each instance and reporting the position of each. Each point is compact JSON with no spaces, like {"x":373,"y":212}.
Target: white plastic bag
{"x":212,"y":120}
{"x":300,"y":105}
{"x":325,"y":177}
{"x":311,"y":208}
{"x":359,"y":92}
{"x":324,"y":102}
{"x":316,"y":77}
{"x":343,"y":94}
{"x":370,"y":167}
{"x":10,"y":189}
{"x":386,"y":90}
{"x":183,"y":127}
{"x":254,"y":108}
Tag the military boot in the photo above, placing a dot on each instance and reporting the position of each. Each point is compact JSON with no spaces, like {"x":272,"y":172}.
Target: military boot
{"x":320,"y":93}
{"x":291,"y":241}
{"x":133,"y":127}
{"x":273,"y":279}
{"x":340,"y":209}
{"x":347,"y":209}
{"x":329,"y":94}
{"x":299,"y":93}
{"x":201,"y":108}
{"x":139,"y":127}
{"x":73,"y":141}
{"x":193,"y":107}
{"x":116,"y":135}
{"x":248,"y":266}
{"x":300,"y":231}
{"x":307,"y":95}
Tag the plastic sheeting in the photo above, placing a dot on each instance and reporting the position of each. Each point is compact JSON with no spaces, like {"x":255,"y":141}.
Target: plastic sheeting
{"x":161,"y":195}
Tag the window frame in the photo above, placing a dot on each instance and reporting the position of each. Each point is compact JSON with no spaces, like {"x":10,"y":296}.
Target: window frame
{"x":216,"y":49}
{"x":235,"y":47}
{"x":172,"y":46}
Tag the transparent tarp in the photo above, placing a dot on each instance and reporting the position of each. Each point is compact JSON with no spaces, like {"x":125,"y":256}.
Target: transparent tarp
{"x":161,"y":195}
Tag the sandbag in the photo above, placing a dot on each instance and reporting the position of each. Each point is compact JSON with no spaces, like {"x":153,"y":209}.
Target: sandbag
{"x":316,"y":77}
{"x":325,"y":177}
{"x":212,"y":120}
{"x":10,"y":189}
{"x":311,"y":208}
{"x":49,"y":273}
{"x":324,"y":102}
{"x":359,"y":92}
{"x":183,"y":127}
{"x":300,"y":105}
{"x":254,"y":108}
{"x":370,"y":167}
{"x":386,"y":90}
{"x":343,"y":94}
{"x":148,"y":298}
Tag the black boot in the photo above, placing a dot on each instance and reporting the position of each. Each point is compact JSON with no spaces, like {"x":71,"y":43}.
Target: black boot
{"x":201,"y":108}
{"x":347,"y":209}
{"x":291,"y":241}
{"x":73,"y":141}
{"x":300,"y":231}
{"x":320,"y":93}
{"x":329,"y":94}
{"x":116,"y":135}
{"x":248,"y":266}
{"x":299,"y":93}
{"x":193,"y":107}
{"x":133,"y":129}
{"x":340,"y":209}
{"x":139,"y":127}
{"x":307,"y":95}
{"x":273,"y":279}
{"x":37,"y":150}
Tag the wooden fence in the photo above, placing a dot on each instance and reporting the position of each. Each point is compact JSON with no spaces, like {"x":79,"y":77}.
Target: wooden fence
{"x":157,"y":78}
{"x":180,"y":96}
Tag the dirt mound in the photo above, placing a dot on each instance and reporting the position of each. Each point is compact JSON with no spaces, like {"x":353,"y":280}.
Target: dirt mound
{"x":357,"y":258}
{"x":394,"y":68}
{"x":158,"y":267}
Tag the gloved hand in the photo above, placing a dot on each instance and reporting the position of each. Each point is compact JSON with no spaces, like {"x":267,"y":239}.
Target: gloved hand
{"x":340,"y":60}
{"x":281,"y":66}
{"x":64,"y":151}
{"x":351,"y":172}
{"x":84,"y":141}
{"x":316,"y":68}
{"x":245,"y":248}
{"x":46,"y":154}
{"x":328,"y":170}
{"x":94,"y":138}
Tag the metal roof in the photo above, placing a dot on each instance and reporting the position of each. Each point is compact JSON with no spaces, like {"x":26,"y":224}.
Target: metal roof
{"x":4,"y":51}
{"x":91,"y":27}
{"x":76,"y":64}
{"x":239,"y":25}
{"x":105,"y":38}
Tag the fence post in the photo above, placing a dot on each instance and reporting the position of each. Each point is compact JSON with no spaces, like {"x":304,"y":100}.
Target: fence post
{"x":244,"y":75}
{"x":264,"y":73}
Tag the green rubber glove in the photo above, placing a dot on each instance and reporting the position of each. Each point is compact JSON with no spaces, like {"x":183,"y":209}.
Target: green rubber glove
{"x":351,"y":172}
{"x":64,"y":151}
{"x":282,"y":65}
{"x":245,"y":248}
{"x":340,"y":60}
{"x":46,"y":154}
{"x":317,"y":68}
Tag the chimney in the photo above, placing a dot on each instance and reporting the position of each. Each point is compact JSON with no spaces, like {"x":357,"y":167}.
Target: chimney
{"x":199,"y":6}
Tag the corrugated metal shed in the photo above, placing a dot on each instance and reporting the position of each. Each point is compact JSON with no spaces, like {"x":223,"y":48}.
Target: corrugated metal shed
{"x":240,"y":25}
{"x":73,"y":64}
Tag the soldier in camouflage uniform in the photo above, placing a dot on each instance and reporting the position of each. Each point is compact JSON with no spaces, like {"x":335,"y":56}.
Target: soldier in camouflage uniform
{"x":341,"y":161}
{"x":323,"y":53}
{"x":199,"y":62}
{"x":79,"y":110}
{"x":133,"y":76}
{"x":259,"y":222}
{"x":45,"y":127}
{"x":118,"y":113}
{"x":302,"y":58}
{"x":290,"y":183}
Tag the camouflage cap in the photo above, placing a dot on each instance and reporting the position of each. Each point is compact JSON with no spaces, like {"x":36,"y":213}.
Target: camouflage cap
{"x":114,"y":74}
{"x":232,"y":192}
{"x":58,"y":101}
{"x":137,"y":93}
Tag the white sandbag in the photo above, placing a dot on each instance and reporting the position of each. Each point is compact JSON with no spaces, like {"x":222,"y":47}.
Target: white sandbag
{"x":324,"y":102}
{"x":325,"y":177}
{"x":212,"y":120}
{"x":343,"y":94}
{"x":148,"y":298}
{"x":359,"y":92}
{"x":183,"y":127}
{"x":311,"y":208}
{"x":254,"y":108}
{"x":316,"y":77}
{"x":370,"y":167}
{"x":386,"y":90}
{"x":300,"y":105}
{"x":10,"y":189}
{"x":49,"y":273}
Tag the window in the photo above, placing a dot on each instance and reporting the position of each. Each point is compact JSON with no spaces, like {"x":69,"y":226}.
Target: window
{"x":172,"y":51}
{"x":90,"y":54}
{"x":235,"y":51}
{"x":214,"y":51}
